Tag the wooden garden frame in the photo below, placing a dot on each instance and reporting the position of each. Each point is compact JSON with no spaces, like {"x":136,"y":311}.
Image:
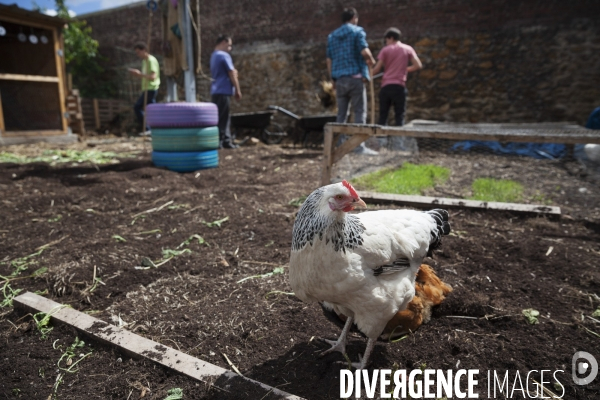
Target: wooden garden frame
{"x":565,"y":133}
{"x":16,"y":15}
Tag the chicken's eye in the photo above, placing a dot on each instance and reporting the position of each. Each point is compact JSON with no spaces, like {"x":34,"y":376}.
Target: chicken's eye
{"x":339,"y":197}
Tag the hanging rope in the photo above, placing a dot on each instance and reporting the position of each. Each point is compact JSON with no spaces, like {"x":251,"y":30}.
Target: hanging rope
{"x":198,"y":39}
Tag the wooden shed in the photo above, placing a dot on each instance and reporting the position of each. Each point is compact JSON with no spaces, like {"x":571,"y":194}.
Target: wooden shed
{"x":32,"y":77}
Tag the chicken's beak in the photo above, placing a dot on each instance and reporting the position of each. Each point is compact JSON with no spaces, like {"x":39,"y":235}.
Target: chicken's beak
{"x":358,"y":203}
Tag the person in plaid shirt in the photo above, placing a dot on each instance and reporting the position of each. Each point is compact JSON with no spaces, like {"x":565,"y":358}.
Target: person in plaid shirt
{"x":348,"y":55}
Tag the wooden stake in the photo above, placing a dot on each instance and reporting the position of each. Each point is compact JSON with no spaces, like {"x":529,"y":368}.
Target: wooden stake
{"x":147,"y":67}
{"x":2,"y":127}
{"x":96,"y":113}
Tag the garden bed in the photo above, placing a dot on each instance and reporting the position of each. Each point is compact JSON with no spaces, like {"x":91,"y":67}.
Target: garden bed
{"x":136,"y":229}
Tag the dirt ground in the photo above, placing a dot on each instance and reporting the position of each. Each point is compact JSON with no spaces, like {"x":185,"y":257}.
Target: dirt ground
{"x":104,"y":221}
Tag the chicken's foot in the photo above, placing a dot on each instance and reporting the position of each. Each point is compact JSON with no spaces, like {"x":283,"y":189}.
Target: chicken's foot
{"x":364,"y":360}
{"x":340,"y":344}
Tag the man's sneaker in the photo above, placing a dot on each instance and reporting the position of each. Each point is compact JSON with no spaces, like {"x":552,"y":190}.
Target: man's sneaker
{"x":230,"y":146}
{"x":365,"y":151}
{"x":147,"y":133}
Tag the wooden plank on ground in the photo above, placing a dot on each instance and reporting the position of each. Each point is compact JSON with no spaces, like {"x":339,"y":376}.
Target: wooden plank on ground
{"x":441,"y":202}
{"x":58,"y":139}
{"x":140,"y":347}
{"x":49,"y":132}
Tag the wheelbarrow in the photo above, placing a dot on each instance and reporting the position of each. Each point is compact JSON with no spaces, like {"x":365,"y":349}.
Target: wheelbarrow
{"x":312,"y":124}
{"x":258,"y":124}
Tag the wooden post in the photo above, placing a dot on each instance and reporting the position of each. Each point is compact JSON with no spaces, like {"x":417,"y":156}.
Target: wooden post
{"x":96,"y":113}
{"x":327,"y":150}
{"x":69,"y":82}
{"x":2,"y":128}
{"x":372,"y":90}
{"x":59,"y":69}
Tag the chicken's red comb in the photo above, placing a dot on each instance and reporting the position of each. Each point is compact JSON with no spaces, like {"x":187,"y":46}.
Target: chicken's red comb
{"x":350,"y":188}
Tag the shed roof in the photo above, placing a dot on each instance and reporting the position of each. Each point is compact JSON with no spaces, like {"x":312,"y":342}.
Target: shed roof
{"x":15,"y":12}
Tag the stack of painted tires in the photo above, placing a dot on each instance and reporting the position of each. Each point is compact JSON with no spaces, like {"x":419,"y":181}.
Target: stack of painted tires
{"x":185,"y":137}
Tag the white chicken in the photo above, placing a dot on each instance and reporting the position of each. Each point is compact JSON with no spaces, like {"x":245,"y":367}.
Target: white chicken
{"x":363,"y":266}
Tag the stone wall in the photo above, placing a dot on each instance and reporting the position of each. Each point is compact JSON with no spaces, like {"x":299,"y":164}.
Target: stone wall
{"x":496,"y":61}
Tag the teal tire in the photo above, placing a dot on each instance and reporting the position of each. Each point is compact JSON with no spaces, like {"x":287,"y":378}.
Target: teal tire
{"x":185,"y":139}
{"x":186,"y":161}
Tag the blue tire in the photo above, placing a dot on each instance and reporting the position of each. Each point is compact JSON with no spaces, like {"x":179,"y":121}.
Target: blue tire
{"x":185,"y":139}
{"x":181,"y":115}
{"x":186,"y":161}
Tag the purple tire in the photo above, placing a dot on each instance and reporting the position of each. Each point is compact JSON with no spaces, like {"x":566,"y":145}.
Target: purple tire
{"x":181,"y":115}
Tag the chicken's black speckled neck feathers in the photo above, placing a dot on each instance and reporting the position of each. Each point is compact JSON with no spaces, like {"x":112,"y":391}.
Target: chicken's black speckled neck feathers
{"x":343,"y":233}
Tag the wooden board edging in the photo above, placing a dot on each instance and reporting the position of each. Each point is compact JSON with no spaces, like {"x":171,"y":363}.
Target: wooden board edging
{"x":134,"y":344}
{"x":430,"y":202}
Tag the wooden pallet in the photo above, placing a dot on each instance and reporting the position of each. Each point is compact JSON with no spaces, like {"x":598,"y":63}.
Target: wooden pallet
{"x":100,"y":112}
{"x":75,"y":112}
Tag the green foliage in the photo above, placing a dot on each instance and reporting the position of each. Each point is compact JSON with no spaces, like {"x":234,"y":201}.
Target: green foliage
{"x":216,"y":223}
{"x":70,"y":354}
{"x":488,"y":189}
{"x":297,"y":202}
{"x":82,"y":57}
{"x":118,"y":238}
{"x":189,"y":240}
{"x":19,"y":265}
{"x":409,"y":179}
{"x":174,"y":394}
{"x":531,"y":316}
{"x":169,"y":253}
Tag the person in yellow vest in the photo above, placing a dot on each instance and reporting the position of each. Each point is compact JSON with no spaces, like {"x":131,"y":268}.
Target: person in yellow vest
{"x":150,"y":75}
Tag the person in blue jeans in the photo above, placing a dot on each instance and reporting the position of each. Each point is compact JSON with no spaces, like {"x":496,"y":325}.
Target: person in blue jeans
{"x":224,"y":85}
{"x":348,"y":57}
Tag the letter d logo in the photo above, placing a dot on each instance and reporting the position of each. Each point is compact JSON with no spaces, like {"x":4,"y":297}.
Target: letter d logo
{"x":581,"y":367}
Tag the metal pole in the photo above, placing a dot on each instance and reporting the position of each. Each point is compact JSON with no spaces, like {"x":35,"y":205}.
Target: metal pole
{"x":189,"y":75}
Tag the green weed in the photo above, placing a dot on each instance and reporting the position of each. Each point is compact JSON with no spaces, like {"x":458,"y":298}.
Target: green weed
{"x":532,"y":316}
{"x":297,"y":202}
{"x":42,"y":321}
{"x":19,"y":265}
{"x":216,"y":223}
{"x":276,"y":271}
{"x":489,"y":189}
{"x":70,"y":354}
{"x":118,"y":238}
{"x":409,"y":179}
{"x":191,"y":238}
{"x":174,"y":394}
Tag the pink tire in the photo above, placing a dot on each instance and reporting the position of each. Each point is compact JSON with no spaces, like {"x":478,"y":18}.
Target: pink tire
{"x":181,"y":115}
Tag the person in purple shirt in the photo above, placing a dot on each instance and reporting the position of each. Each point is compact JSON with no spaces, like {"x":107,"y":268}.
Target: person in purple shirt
{"x":224,"y":85}
{"x":397,"y":60}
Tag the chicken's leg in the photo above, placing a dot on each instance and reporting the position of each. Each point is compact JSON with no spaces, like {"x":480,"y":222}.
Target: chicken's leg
{"x":340,"y":344}
{"x":365,"y":359}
